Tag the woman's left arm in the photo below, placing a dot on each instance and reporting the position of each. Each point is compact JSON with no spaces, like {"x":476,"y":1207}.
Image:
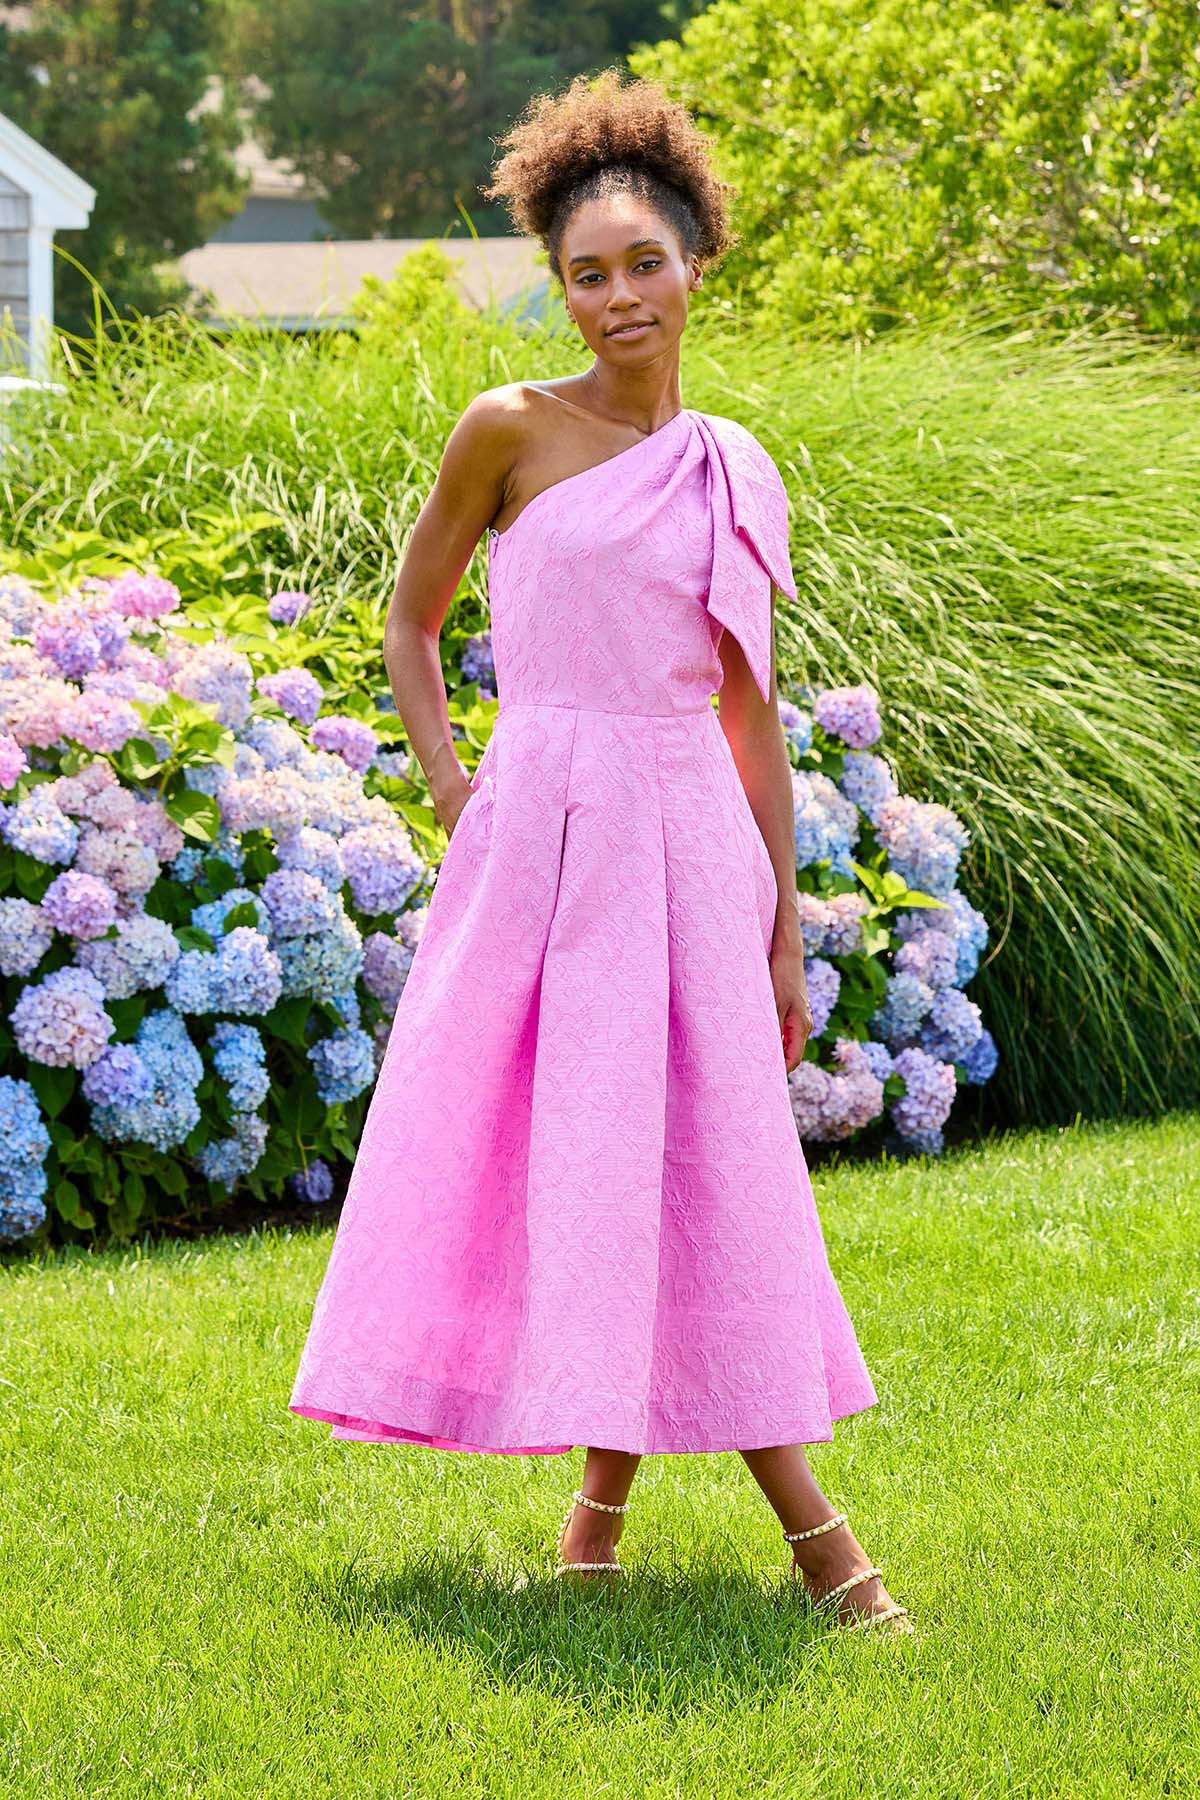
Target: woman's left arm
{"x":754,"y":733}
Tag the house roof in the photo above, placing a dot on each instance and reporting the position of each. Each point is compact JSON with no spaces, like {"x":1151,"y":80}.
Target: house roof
{"x":60,"y":199}
{"x":302,"y":285}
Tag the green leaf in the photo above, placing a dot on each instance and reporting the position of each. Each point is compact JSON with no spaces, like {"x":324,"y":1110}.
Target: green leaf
{"x":70,"y":1206}
{"x":197,"y":815}
{"x":138,"y":760}
{"x":287,"y":1019}
{"x":245,"y":913}
{"x":219,"y":875}
{"x":52,"y":1086}
{"x":193,"y":937}
{"x":127,"y":1015}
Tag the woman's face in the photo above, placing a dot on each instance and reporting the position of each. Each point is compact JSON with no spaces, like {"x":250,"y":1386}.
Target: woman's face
{"x":622,"y":263}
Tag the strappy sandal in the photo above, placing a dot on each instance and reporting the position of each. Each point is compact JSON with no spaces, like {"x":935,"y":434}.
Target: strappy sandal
{"x":828,"y":1602}
{"x":579,"y":1498}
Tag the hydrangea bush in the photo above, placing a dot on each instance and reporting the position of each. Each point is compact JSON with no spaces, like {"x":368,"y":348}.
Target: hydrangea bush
{"x":890,"y":940}
{"x":211,"y":889}
{"x":214,"y":871}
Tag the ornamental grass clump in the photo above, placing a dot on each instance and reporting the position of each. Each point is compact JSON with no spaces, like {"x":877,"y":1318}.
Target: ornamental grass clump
{"x":207,"y":913}
{"x":890,"y":940}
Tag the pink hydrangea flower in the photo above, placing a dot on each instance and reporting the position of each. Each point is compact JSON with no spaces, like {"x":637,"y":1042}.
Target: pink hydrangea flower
{"x":143,"y":596}
{"x":101,"y":721}
{"x":13,"y":760}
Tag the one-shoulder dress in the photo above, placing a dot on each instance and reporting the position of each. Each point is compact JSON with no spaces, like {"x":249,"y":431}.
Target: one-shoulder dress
{"x":580,"y":1212}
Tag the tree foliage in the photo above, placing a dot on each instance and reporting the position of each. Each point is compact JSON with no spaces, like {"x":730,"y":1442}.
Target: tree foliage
{"x":112,"y":88}
{"x":897,"y":156}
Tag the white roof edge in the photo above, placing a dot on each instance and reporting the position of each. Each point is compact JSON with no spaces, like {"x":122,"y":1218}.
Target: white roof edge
{"x":61,"y":198}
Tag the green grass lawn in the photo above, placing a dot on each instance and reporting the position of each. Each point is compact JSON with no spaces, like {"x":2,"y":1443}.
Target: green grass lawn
{"x":206,"y":1595}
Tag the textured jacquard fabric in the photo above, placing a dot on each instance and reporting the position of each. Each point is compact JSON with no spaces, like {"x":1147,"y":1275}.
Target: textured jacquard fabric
{"x":580,"y":1212}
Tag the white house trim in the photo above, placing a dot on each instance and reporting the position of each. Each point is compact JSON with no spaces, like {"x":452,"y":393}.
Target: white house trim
{"x":59,"y":200}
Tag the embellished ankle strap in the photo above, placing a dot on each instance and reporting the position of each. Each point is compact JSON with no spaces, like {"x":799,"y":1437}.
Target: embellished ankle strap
{"x":794,"y":1537}
{"x":583,"y":1499}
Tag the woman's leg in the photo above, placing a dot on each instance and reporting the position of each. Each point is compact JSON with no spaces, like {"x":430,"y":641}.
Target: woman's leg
{"x":591,"y":1536}
{"x":783,"y":1474}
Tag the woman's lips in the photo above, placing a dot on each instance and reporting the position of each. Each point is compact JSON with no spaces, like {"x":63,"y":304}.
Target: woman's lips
{"x":631,"y":330}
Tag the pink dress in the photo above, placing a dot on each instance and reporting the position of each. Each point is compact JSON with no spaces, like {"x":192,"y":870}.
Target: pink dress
{"x":580,"y":1212}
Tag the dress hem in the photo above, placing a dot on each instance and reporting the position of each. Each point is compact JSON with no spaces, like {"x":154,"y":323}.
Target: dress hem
{"x":348,"y":1427}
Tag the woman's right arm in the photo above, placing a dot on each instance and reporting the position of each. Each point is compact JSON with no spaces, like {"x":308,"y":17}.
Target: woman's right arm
{"x":468,"y":493}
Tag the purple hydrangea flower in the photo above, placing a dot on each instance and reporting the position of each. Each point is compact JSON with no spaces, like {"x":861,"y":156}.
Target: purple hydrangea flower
{"x":295,"y":692}
{"x":381,"y":866}
{"x":120,"y":858}
{"x":25,"y":936}
{"x":313,"y":1185}
{"x":61,"y":1020}
{"x":396,"y":764}
{"x":350,"y":739}
{"x":844,"y":924}
{"x":288,"y":605}
{"x":797,"y":726}
{"x":217,"y":676}
{"x":118,"y":1078}
{"x":476,"y":662}
{"x":298,"y":903}
{"x":344,"y":1064}
{"x":925,"y":1104}
{"x":81,"y":906}
{"x":849,"y":713}
{"x":386,"y":962}
{"x":879,"y":1057}
{"x":79,"y":635}
{"x":932,"y":956}
{"x":824,"y":984}
{"x":279,"y":745}
{"x":140,"y":957}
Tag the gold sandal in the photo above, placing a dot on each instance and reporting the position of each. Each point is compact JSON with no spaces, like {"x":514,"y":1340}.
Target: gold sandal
{"x":823,"y":1604}
{"x":579,"y":1498}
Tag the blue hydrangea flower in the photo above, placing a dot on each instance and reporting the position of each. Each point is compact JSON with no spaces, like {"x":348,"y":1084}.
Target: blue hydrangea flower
{"x":971,"y":936}
{"x":906,"y":1003}
{"x":23,"y":1135}
{"x":867,"y":781}
{"x":249,"y":976}
{"x":924,"y":841}
{"x":40,"y":828}
{"x":189,"y":986}
{"x":979,"y":1064}
{"x":279,"y":745}
{"x":826,"y":822}
{"x":952,"y":1026}
{"x":381,"y":866}
{"x":324,"y":965}
{"x":477,"y":663}
{"x":879,"y":1057}
{"x":212,"y":915}
{"x":170,"y":1111}
{"x":315,"y":853}
{"x":344,"y":1064}
{"x":932,"y":956}
{"x":240,"y":1059}
{"x":226,"y":1160}
{"x":22,"y":1203}
{"x":313,"y":1185}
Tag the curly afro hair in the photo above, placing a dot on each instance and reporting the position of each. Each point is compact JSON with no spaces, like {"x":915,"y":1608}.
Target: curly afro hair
{"x":599,"y":137}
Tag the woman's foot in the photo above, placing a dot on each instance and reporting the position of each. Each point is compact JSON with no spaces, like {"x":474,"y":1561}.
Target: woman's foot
{"x":590,"y":1536}
{"x":823,"y":1563}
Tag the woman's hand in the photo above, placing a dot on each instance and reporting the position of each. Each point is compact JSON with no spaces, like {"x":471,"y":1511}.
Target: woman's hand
{"x":791,"y":989}
{"x":450,"y":809}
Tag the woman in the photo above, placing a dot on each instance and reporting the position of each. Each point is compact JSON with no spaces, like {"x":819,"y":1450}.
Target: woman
{"x":580,"y":1213}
